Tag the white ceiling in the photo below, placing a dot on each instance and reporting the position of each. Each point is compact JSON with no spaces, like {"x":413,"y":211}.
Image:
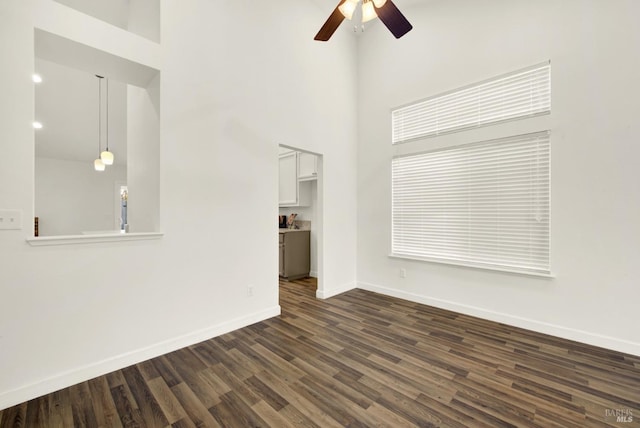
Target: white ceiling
{"x":66,"y":103}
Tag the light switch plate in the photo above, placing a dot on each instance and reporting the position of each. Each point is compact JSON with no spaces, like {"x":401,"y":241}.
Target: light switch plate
{"x":10,"y":219}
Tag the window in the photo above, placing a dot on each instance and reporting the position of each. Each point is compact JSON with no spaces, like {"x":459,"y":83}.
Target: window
{"x":520,"y":94}
{"x":482,"y":204}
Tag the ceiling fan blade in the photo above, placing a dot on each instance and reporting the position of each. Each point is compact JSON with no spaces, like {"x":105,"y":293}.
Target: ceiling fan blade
{"x":393,"y":19}
{"x":331,"y":25}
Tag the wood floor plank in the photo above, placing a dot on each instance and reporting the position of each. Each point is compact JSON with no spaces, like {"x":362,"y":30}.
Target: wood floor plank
{"x":82,"y":406}
{"x":277,"y":365}
{"x":273,"y":417}
{"x":405,"y":406}
{"x":234,"y":411}
{"x":167,"y":401}
{"x":37,"y":412}
{"x":298,"y":418}
{"x":149,"y":407}
{"x":168,"y":373}
{"x":352,"y":382}
{"x":188,"y":366}
{"x":235,"y":384}
{"x":357,"y":359}
{"x":215,"y":383}
{"x":14,"y":417}
{"x":267,"y":394}
{"x":386,"y":418}
{"x":60,"y":414}
{"x":103,"y":404}
{"x":198,"y":414}
{"x":130,"y":416}
{"x":304,"y":406}
{"x":345,"y":413}
{"x":348,"y":395}
{"x":148,"y":370}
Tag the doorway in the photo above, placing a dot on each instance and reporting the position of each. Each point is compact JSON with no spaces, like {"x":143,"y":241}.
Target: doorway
{"x":301,"y":193}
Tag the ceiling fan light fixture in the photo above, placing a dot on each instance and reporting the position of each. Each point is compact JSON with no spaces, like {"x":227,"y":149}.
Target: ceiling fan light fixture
{"x":386,"y":10}
{"x":347,"y":8}
{"x":368,"y":11}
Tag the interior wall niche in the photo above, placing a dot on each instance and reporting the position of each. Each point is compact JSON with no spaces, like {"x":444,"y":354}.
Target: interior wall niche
{"x":141,"y":17}
{"x":71,"y":198}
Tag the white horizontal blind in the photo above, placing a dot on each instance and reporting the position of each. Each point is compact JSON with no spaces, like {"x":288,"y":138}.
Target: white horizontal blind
{"x":484,"y":204}
{"x":516,"y":95}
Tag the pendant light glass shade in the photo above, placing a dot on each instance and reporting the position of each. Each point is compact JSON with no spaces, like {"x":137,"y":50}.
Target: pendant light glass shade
{"x":368,"y":12}
{"x":98,"y":165}
{"x":347,"y":8}
{"x":106,"y":157}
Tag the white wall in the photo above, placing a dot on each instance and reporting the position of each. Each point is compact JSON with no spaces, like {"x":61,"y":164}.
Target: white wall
{"x":141,"y":17}
{"x":229,"y":96}
{"x":143,"y":154}
{"x":144,"y":18}
{"x":593,"y":48}
{"x":71,"y":197}
{"x":115,"y":12}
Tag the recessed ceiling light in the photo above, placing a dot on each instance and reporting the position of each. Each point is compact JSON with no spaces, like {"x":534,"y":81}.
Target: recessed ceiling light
{"x":37,"y":78}
{"x":37,"y":125}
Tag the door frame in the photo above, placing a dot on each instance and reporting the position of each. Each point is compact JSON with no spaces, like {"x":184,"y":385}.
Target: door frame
{"x":319,"y":226}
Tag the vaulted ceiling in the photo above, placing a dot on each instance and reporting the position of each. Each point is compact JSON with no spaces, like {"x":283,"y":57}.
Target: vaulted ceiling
{"x":67,"y":99}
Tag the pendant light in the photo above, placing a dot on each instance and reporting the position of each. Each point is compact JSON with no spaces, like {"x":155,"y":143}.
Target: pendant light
{"x":106,"y":156}
{"x":97,"y":164}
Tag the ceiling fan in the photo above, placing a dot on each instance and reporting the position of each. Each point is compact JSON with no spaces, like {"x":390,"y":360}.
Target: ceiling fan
{"x":388,"y":13}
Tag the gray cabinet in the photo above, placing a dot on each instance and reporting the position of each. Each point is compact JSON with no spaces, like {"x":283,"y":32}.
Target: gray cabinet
{"x":294,"y":254}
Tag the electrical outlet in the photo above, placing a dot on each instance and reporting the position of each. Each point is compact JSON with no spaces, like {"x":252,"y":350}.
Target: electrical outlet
{"x":403,"y":273}
{"x":249,"y":290}
{"x":10,"y":219}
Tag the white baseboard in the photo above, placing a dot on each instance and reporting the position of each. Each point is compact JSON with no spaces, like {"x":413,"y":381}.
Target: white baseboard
{"x":313,"y":274}
{"x":92,"y":370}
{"x":327,"y":293}
{"x":569,"y":333}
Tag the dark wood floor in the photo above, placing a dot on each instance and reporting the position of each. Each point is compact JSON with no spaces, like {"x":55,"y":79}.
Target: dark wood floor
{"x":358,"y":359}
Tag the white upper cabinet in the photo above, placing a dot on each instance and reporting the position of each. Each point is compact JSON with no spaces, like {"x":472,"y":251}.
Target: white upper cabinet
{"x":307,"y":166}
{"x":288,"y":189}
{"x":295,"y":191}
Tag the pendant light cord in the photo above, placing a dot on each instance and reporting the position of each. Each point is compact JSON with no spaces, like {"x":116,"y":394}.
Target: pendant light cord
{"x":99,"y":112}
{"x":107,"y":114}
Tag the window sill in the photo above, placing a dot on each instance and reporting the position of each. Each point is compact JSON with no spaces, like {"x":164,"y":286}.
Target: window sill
{"x":539,"y":274}
{"x":42,"y":241}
